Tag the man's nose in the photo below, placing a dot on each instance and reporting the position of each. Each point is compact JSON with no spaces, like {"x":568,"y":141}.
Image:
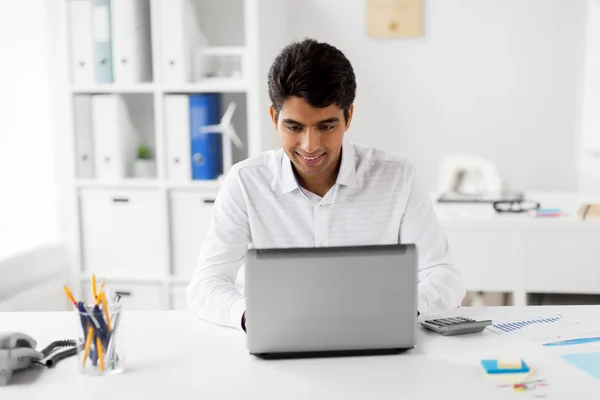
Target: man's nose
{"x":311,"y":141}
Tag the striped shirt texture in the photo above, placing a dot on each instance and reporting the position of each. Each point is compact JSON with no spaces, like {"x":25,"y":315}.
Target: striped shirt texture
{"x":376,"y":200}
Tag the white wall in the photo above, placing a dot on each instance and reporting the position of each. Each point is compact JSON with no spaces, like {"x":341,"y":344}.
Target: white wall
{"x":497,"y":78}
{"x":590,"y":141}
{"x":27,"y":164}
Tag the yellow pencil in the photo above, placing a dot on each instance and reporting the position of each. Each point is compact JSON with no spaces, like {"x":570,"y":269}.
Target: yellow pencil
{"x":105,"y":306}
{"x":94,"y":290}
{"x":70,"y":296}
{"x":100,"y":354}
{"x":88,"y":343}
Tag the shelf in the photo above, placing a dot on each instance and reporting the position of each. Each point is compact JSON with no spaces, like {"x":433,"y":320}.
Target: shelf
{"x":224,"y":51}
{"x":142,"y":88}
{"x":124,"y":184}
{"x":197,"y":185}
{"x":222,"y":85}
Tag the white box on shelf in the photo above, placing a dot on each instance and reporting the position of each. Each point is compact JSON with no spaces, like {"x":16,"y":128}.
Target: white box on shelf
{"x":84,"y":139}
{"x":123,"y":231}
{"x":80,"y":41}
{"x":179,"y":35}
{"x":191,"y":215}
{"x":134,"y":296}
{"x":131,"y":41}
{"x":177,"y":137}
{"x":114,"y":142}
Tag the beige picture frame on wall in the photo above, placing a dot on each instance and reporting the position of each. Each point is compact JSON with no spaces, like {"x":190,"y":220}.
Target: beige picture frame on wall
{"x":394,"y":18}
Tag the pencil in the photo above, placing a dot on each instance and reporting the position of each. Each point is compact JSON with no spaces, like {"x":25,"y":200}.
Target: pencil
{"x":94,"y":289}
{"x":70,"y":296}
{"x":105,"y":306}
{"x":88,"y":343}
{"x":100,"y":355}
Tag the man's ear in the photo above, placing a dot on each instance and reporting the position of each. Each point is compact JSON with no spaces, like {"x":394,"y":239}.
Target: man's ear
{"x":274,"y":115}
{"x":350,"y":113}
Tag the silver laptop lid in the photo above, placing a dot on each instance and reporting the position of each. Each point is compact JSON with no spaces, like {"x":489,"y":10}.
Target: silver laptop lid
{"x":331,"y":298}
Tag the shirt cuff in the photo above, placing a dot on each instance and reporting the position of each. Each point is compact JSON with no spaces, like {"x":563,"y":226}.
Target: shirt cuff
{"x":235,"y":313}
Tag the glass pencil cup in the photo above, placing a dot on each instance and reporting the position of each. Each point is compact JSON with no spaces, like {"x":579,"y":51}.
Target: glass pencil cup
{"x":99,"y":344}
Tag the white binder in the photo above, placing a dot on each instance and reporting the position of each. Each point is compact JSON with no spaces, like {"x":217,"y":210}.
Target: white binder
{"x":179,"y":35}
{"x":80,"y":38}
{"x":177,"y":137}
{"x":131,"y":41}
{"x":84,"y":145}
{"x":114,"y":144}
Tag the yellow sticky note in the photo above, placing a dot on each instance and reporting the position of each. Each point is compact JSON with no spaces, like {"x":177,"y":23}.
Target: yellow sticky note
{"x":510,"y":363}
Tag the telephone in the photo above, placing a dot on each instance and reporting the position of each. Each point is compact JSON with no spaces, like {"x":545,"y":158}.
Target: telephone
{"x":17,"y":351}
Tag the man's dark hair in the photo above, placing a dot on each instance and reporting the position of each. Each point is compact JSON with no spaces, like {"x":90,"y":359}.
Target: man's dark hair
{"x":317,"y":72}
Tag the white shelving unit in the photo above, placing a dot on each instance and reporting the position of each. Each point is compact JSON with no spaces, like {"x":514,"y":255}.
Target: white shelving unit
{"x":143,"y":235}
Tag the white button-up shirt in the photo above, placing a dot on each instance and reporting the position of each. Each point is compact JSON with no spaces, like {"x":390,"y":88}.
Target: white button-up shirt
{"x":375,"y":200}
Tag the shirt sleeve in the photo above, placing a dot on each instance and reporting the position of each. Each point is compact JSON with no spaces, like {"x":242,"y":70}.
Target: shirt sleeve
{"x":440,"y":286}
{"x":211,"y":294}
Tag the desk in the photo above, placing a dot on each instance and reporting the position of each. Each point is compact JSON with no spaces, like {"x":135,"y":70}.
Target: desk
{"x":519,"y":254}
{"x":172,"y":355}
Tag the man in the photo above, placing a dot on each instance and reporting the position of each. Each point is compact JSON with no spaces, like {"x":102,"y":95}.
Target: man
{"x":319,"y":190}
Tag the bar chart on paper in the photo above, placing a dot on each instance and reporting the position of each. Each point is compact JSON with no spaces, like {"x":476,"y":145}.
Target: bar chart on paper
{"x":512,"y":326}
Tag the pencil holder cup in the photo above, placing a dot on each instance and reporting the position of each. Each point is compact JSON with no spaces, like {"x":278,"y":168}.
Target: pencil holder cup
{"x":99,"y":347}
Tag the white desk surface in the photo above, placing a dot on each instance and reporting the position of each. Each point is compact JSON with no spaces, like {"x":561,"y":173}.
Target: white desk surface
{"x":172,"y":355}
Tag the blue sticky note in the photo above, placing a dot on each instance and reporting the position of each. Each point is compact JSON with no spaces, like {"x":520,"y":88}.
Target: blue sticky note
{"x":588,"y":362}
{"x":491,"y":367}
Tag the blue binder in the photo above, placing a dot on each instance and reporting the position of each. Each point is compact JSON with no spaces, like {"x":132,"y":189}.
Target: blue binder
{"x":102,"y":38}
{"x":207,"y":148}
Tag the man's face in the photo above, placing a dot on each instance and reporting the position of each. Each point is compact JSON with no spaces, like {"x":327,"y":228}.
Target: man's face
{"x":311,"y":137}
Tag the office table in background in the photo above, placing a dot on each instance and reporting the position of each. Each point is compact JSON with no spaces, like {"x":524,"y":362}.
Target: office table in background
{"x":521,"y":255}
{"x":173,"y":355}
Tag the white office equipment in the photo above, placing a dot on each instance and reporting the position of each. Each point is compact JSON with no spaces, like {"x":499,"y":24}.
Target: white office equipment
{"x":180,"y":36}
{"x":177,"y":137}
{"x":84,"y":145}
{"x":114,"y":144}
{"x":80,"y":41}
{"x":470,"y":177}
{"x":131,"y":41}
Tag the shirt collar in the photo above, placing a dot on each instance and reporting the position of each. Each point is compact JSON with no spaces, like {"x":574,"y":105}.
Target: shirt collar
{"x":346,"y":175}
{"x":288,"y":179}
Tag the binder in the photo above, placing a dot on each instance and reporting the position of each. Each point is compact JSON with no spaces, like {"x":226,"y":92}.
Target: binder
{"x":131,"y":41}
{"x":102,"y":41}
{"x":206,"y":148}
{"x":177,"y":134}
{"x":84,"y":145}
{"x":80,"y":38}
{"x":114,"y":145}
{"x":179,"y":35}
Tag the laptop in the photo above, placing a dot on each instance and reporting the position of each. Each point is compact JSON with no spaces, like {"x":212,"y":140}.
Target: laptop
{"x":331,"y":301}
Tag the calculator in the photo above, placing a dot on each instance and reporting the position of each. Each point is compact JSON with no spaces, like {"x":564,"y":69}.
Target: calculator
{"x":455,"y":325}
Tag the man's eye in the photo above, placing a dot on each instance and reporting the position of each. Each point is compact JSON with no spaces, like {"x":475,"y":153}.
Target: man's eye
{"x":294,"y":128}
{"x":326,"y":127}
